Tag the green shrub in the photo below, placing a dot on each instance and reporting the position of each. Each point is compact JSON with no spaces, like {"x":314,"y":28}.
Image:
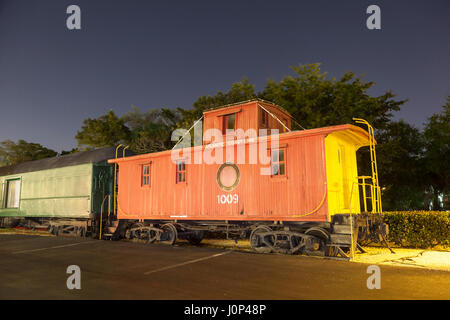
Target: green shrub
{"x":420,"y":229}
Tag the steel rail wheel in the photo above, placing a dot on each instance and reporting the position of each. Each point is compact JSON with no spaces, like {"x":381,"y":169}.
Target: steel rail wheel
{"x":80,"y":232}
{"x":151,"y":235}
{"x":317,"y":245}
{"x":257,"y":241}
{"x":196,"y":237}
{"x":134,"y":231}
{"x":169,"y":234}
{"x":58,"y":231}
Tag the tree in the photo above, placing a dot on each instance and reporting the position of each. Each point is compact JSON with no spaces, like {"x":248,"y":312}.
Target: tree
{"x":436,"y":157}
{"x":150,"y":131}
{"x":105,"y":131}
{"x":400,"y":166}
{"x":72,"y":151}
{"x":14,"y":153}
{"x":314,"y":101}
{"x":239,"y":91}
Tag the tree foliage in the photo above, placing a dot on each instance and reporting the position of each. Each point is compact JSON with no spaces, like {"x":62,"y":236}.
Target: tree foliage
{"x":315,"y":101}
{"x":67,"y":152}
{"x":16,"y":152}
{"x":399,"y":159}
{"x":106,"y":131}
{"x":150,"y":131}
{"x":437,"y":151}
{"x":239,"y":91}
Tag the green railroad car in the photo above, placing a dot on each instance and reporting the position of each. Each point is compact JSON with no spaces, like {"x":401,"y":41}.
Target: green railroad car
{"x":63,"y":193}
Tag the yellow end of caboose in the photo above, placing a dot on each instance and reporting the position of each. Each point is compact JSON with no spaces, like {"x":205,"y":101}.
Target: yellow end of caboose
{"x":342,"y":170}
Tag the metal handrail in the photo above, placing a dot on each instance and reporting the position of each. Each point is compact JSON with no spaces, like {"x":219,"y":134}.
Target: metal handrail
{"x":101,"y":216}
{"x":375,"y":188}
{"x":115,"y":178}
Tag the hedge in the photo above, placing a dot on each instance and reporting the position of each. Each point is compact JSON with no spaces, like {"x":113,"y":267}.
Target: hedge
{"x":419,"y":229}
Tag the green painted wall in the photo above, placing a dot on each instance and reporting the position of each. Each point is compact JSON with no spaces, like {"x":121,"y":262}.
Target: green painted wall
{"x":61,"y":192}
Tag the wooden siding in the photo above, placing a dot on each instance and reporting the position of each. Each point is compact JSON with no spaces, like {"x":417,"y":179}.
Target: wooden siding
{"x":300,"y":195}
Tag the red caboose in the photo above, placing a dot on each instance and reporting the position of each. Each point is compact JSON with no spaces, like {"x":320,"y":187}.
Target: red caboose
{"x":252,"y":175}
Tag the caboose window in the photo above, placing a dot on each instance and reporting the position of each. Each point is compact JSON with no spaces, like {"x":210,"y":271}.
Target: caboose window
{"x":278,"y":162}
{"x":181,"y":172}
{"x":229,"y":122}
{"x":264,"y":117}
{"x":146,"y":175}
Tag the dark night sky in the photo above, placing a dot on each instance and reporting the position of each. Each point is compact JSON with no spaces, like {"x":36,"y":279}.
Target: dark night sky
{"x":167,"y":53}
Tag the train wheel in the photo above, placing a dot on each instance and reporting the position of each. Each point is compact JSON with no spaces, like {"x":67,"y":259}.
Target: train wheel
{"x":318,"y":245}
{"x":151,"y":236}
{"x":169,"y":234}
{"x":256,"y":240}
{"x":81,"y":232}
{"x":134,"y":231}
{"x":58,"y":231}
{"x":196,"y":237}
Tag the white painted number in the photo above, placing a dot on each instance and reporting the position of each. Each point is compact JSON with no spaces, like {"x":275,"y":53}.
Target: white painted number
{"x":227,"y":198}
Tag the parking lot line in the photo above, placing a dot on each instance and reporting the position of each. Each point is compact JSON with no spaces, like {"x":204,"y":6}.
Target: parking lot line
{"x":55,"y":247}
{"x":187,"y":262}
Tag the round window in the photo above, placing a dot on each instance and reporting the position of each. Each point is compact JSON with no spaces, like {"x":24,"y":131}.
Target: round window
{"x":228,"y":176}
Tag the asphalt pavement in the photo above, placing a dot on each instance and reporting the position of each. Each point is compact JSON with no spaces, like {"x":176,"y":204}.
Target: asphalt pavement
{"x":35,"y":267}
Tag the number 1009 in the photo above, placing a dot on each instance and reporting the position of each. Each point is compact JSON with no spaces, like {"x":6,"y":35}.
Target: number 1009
{"x":227,"y":198}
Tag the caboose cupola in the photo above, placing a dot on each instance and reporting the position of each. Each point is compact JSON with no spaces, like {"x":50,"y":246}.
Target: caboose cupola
{"x":254,"y":114}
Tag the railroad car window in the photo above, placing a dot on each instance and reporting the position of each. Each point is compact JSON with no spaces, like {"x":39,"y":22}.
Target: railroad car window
{"x":12,"y":193}
{"x":278,"y":162}
{"x":228,"y":176}
{"x":2,"y":195}
{"x":146,"y":175}
{"x":229,"y":122}
{"x":264,"y":117}
{"x":181,"y":171}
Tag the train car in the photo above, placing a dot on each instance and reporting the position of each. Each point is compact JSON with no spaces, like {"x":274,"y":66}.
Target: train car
{"x":301,"y":194}
{"x":63,"y":193}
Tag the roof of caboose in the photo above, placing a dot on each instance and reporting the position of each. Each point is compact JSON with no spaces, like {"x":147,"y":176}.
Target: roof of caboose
{"x":233,"y":105}
{"x":84,"y":157}
{"x":355,"y":134}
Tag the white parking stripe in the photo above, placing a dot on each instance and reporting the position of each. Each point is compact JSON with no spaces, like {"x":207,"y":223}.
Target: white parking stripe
{"x":55,"y":247}
{"x":187,"y":262}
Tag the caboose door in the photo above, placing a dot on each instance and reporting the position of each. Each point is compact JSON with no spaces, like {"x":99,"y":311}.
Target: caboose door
{"x":344,"y":179}
{"x":180,"y":199}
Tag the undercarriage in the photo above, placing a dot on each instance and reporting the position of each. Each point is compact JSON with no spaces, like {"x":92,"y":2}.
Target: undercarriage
{"x":336,"y":239}
{"x":339,"y":238}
